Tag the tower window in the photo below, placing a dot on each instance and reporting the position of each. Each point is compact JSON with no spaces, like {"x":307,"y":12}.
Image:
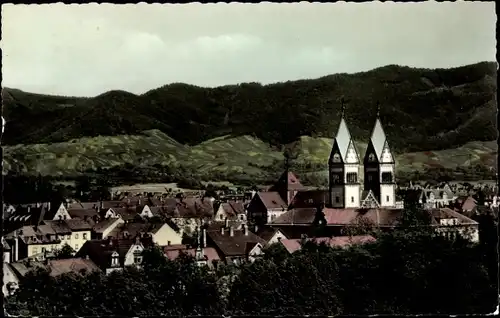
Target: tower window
{"x":337,"y":199}
{"x":387,"y":177}
{"x":370,"y":178}
{"x":387,"y":198}
{"x":336,"y":178}
{"x":352,"y":177}
{"x":371,"y":157}
{"x":352,"y":199}
{"x":336,"y":157}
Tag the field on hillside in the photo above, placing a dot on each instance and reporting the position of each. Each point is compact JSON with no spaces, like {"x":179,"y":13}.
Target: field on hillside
{"x":237,"y":155}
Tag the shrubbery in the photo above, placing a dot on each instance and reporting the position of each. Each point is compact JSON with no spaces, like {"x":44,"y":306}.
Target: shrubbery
{"x":401,"y":273}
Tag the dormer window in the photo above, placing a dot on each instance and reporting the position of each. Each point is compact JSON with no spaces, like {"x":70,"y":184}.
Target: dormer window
{"x":114,"y":259}
{"x":137,"y":257}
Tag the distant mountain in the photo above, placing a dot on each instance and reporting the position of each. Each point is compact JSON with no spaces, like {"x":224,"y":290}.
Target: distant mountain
{"x":421,"y":109}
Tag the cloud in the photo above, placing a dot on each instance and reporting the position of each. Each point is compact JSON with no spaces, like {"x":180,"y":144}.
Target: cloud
{"x":86,"y":50}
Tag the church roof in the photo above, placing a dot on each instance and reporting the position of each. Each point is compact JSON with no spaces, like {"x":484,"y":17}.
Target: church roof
{"x":378,"y":139}
{"x":343,"y":138}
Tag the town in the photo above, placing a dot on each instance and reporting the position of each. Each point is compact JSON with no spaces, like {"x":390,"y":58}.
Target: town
{"x":218,"y":229}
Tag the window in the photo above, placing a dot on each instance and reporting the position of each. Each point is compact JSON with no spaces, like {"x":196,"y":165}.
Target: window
{"x":137,"y":257}
{"x":387,"y":198}
{"x":336,"y":178}
{"x":43,"y":249}
{"x":35,"y":250}
{"x":114,"y":259}
{"x":370,"y":178}
{"x":352,"y":199}
{"x":76,"y":247}
{"x":222,"y":217}
{"x":371,"y":157}
{"x":387,"y":177}
{"x":65,"y":217}
{"x":76,"y":236}
{"x":336,"y":157}
{"x":337,"y":199}
{"x":352,"y":177}
{"x":84,"y":236}
{"x":67,"y":237}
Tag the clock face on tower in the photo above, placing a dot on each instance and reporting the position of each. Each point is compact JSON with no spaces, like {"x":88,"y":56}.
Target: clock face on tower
{"x":336,"y":157}
{"x":371,"y":157}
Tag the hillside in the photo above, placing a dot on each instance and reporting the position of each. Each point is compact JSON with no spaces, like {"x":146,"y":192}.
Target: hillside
{"x":222,"y":158}
{"x":422,"y":110}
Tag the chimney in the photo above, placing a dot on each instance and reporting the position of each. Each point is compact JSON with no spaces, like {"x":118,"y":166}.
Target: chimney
{"x":102,"y":205}
{"x":16,"y":247}
{"x":204,"y":241}
{"x":48,"y":206}
{"x":245,"y":229}
{"x":227,"y":222}
{"x":199,"y":253}
{"x":222,"y":230}
{"x":87,"y":256}
{"x":256,"y":228}
{"x":29,"y":208}
{"x":231,"y":231}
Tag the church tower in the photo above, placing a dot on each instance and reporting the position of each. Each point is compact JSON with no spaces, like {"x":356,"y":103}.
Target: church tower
{"x":379,"y":167}
{"x":343,"y":165}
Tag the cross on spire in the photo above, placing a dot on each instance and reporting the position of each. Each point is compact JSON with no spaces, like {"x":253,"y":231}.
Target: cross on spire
{"x":342,"y":105}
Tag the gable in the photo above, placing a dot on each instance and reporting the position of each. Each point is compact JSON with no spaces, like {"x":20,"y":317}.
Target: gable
{"x":386,"y":156}
{"x":62,"y":213}
{"x":256,"y":250}
{"x":352,"y":154}
{"x":335,"y":156}
{"x":370,"y":155}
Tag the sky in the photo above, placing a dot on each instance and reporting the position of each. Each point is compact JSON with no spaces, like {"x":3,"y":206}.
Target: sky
{"x":85,"y":50}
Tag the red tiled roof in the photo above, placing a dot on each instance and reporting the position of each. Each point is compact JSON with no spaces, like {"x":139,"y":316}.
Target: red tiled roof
{"x":272,"y":200}
{"x":76,"y":265}
{"x":233,"y":245}
{"x":209,"y":252}
{"x":291,"y":179}
{"x":387,"y":217}
{"x":174,"y":247}
{"x":293,"y":245}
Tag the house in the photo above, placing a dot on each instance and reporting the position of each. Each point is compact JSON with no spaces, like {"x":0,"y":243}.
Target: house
{"x":103,"y":229}
{"x":266,"y":206}
{"x":465,"y":204}
{"x":10,"y":280}
{"x":451,"y":223}
{"x":437,"y":197}
{"x":203,"y":255}
{"x":298,"y":222}
{"x":16,"y":271}
{"x":231,"y":210}
{"x":113,"y":253}
{"x":188,"y":213}
{"x":294,"y":245}
{"x":227,"y":223}
{"x":161,"y":233}
{"x":74,"y":232}
{"x":269,"y":234}
{"x":26,"y":215}
{"x":31,"y":240}
{"x":151,"y":211}
{"x":236,"y":246}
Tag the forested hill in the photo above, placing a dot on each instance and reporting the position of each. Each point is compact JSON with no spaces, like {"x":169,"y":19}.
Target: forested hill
{"x":422,"y":109}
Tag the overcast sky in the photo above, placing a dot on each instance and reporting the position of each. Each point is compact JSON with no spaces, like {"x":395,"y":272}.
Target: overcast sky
{"x":85,"y":50}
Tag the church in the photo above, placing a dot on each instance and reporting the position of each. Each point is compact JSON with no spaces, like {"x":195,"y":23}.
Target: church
{"x":356,"y":186}
{"x":360,"y":190}
{"x":378,"y":188}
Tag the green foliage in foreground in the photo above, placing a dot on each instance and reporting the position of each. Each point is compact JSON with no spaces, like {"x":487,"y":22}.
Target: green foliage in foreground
{"x":403,"y":273}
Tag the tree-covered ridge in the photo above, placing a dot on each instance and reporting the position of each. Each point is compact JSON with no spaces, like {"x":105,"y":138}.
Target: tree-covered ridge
{"x":422,"y":109}
{"x":403,"y":272}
